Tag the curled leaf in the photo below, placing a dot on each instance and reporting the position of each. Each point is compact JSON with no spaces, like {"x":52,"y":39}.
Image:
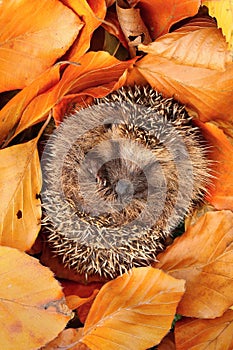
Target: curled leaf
{"x":134,"y":311}
{"x":26,"y":50}
{"x":202,"y":256}
{"x":31,"y":302}
{"x":192,"y":334}
{"x":20,"y":185}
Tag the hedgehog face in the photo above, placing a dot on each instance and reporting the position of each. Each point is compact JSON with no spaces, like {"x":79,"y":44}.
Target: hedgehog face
{"x":118,"y":177}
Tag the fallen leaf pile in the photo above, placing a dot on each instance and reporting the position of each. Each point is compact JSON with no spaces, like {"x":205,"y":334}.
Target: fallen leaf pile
{"x":59,"y":55}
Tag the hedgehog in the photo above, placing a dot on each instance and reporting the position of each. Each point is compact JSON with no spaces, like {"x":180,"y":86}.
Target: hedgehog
{"x":118,"y":177}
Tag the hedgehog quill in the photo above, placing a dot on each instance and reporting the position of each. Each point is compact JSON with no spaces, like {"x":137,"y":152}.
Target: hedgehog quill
{"x":119,"y":176}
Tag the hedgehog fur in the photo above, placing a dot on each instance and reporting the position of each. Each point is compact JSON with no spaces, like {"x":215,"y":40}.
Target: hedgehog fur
{"x":119,"y":176}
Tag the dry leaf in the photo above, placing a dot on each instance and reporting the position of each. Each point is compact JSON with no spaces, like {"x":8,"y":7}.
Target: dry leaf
{"x":223,"y":12}
{"x":31,"y":302}
{"x":134,"y":311}
{"x":98,"y":74}
{"x":132,"y":25}
{"x":195,"y":334}
{"x":67,"y":339}
{"x":112,"y":25}
{"x":198,"y":43}
{"x":160,"y":15}
{"x":11,"y":113}
{"x":168,"y":342}
{"x":221,"y":151}
{"x":202,"y":256}
{"x":206,"y":91}
{"x":92,"y":14}
{"x":20,"y":185}
{"x":43,"y":35}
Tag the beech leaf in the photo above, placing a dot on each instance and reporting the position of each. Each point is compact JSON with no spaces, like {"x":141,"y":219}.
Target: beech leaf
{"x":44,"y":34}
{"x":134,"y":311}
{"x":20,"y":185}
{"x":223,"y":12}
{"x":32,"y":304}
{"x":160,"y":15}
{"x":196,"y":334}
{"x":202,"y":256}
{"x":207,"y":91}
{"x":198,"y":43}
{"x":221,"y":150}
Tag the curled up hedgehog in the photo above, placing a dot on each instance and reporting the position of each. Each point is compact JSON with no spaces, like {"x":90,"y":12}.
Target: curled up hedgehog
{"x":119,"y":176}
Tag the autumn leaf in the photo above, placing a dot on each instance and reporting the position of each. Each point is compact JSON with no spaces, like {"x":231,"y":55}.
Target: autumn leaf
{"x":20,"y":185}
{"x":134,"y":311}
{"x":28,"y":49}
{"x":202,"y":256}
{"x":92,"y":14}
{"x":31,"y":302}
{"x":223,"y":12}
{"x":97,"y":75}
{"x":221,"y":150}
{"x":204,"y":90}
{"x":67,"y":339}
{"x":11,"y":113}
{"x":160,"y":15}
{"x":198,"y":43}
{"x":196,"y":334}
{"x":168,"y":343}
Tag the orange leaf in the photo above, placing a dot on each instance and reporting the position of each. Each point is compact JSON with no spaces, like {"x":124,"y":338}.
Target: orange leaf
{"x":11,"y":113}
{"x":160,"y":15}
{"x":221,"y":151}
{"x":207,"y":91}
{"x":134,"y":311}
{"x":202,"y":256}
{"x":98,"y":74}
{"x":82,"y":305}
{"x":43,"y":35}
{"x":198,"y":43}
{"x":67,"y":339}
{"x":20,"y":184}
{"x":194,"y":334}
{"x":31,"y":302}
{"x":91,"y":12}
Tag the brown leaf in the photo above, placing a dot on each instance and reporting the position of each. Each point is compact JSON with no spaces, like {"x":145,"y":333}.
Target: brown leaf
{"x":198,"y":43}
{"x":168,"y":343}
{"x":221,"y":151}
{"x":159,"y":16}
{"x":43,"y":35}
{"x":67,"y":339}
{"x":132,"y":25}
{"x":202,"y":256}
{"x":207,"y":91}
{"x":134,"y":311}
{"x":31,"y":302}
{"x":20,"y":185}
{"x":195,"y":334}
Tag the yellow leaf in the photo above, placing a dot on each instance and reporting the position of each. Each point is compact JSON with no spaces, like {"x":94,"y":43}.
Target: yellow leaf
{"x":196,"y":334}
{"x":134,"y":311}
{"x":20,"y":184}
{"x":32,"y":305}
{"x":203,"y":256}
{"x":222,"y":10}
{"x":33,"y":38}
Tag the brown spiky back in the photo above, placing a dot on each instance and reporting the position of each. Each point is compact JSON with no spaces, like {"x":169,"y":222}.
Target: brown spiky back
{"x":119,"y":176}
